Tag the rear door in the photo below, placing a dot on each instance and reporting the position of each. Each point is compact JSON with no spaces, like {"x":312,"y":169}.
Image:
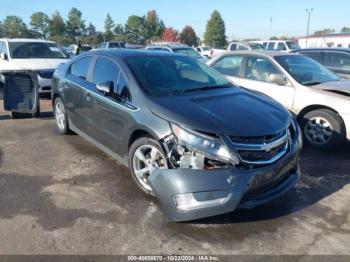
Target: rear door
{"x":21,"y":93}
{"x":77,"y":93}
{"x":256,"y":75}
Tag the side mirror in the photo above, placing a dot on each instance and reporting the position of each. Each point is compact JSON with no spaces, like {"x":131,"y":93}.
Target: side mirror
{"x":3,"y":56}
{"x":106,"y":88}
{"x":278,"y":79}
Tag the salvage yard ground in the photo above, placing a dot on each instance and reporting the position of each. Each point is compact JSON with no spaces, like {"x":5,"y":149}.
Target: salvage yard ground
{"x":61,"y":195}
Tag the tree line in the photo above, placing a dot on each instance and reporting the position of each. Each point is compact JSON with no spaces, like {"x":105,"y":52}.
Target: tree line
{"x":136,"y":30}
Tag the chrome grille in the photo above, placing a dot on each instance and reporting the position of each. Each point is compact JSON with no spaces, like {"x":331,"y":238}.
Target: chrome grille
{"x":262,"y":150}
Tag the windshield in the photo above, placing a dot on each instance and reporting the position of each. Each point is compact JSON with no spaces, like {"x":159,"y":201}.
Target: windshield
{"x":206,"y":48}
{"x":169,"y":75}
{"x":187,"y":52}
{"x":305,"y":70}
{"x":256,"y":46}
{"x":27,"y":50}
{"x":293,"y":45}
{"x":116,"y":45}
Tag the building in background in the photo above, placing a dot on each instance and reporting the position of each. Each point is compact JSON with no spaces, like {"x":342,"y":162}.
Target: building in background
{"x":331,"y":40}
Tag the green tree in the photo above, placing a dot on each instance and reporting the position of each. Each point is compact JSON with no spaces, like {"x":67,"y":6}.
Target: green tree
{"x":188,"y":36}
{"x":13,"y":26}
{"x":325,"y":31}
{"x":1,"y":32}
{"x":109,"y":24}
{"x":91,"y":29}
{"x":93,"y":40}
{"x":75,"y":23}
{"x":57,"y":26}
{"x":119,"y":32}
{"x":154,"y":27}
{"x":39,"y":22}
{"x":345,"y":30}
{"x":215,"y":31}
{"x":273,"y":38}
{"x":135,"y":30}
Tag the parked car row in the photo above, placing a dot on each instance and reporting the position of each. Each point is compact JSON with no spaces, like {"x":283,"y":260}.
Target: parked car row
{"x":315,"y":95}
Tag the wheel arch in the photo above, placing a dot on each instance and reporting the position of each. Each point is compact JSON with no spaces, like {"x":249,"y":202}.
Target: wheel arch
{"x":318,"y":107}
{"x":54,"y":96}
{"x":138,"y":133}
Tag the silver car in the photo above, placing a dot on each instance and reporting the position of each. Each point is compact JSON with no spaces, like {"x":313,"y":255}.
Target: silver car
{"x":317,"y":97}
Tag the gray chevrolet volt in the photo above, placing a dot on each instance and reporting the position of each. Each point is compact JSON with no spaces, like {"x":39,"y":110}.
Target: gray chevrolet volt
{"x":202,"y":146}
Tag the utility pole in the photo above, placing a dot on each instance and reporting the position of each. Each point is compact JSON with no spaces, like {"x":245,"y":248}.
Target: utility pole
{"x":308,"y":11}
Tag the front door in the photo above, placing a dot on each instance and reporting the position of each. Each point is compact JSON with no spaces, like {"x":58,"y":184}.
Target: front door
{"x":111,"y":114}
{"x":256,"y":75}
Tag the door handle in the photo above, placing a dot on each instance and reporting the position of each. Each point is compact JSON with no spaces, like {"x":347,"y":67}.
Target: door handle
{"x":88,"y":97}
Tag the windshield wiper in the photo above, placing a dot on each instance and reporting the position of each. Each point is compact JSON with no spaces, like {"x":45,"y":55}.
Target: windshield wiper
{"x":311,"y":83}
{"x":207,"y":88}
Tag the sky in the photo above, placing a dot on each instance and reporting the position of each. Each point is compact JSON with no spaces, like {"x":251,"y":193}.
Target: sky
{"x":243,"y":19}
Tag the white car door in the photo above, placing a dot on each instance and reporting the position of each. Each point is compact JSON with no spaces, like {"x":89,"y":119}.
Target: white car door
{"x":258,"y":75}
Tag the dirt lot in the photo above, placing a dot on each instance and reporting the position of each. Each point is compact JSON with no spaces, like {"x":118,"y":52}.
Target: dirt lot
{"x":61,"y":195}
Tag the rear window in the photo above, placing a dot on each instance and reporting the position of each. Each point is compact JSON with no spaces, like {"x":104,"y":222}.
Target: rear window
{"x":187,"y":52}
{"x":81,"y":67}
{"x":28,"y":50}
{"x":116,"y":45}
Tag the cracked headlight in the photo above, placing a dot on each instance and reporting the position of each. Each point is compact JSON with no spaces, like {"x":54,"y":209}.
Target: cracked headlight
{"x":209,"y":146}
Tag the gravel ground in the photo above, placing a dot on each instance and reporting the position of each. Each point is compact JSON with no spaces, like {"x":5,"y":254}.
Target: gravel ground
{"x":61,"y":195}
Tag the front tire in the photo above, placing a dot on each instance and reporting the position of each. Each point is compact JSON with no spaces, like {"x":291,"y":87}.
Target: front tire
{"x":322,"y":129}
{"x":145,"y":155}
{"x":61,"y":117}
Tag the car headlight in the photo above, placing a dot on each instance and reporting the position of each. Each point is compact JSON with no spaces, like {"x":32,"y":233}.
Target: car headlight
{"x":211,"y":147}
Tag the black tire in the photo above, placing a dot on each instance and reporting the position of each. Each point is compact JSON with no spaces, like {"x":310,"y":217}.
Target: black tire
{"x":144,"y":141}
{"x":337,"y":127}
{"x":64,"y":128}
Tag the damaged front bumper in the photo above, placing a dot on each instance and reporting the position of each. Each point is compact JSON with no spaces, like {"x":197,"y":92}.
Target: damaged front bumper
{"x":189,"y":194}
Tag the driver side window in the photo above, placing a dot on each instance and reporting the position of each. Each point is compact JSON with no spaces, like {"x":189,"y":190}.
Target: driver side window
{"x":229,"y":65}
{"x":259,"y":69}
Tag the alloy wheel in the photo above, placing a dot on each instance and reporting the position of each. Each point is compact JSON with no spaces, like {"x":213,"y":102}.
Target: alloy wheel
{"x":60,"y":115}
{"x":318,"y":130}
{"x":146,"y":159}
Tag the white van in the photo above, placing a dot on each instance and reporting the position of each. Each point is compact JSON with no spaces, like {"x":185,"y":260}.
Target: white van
{"x":40,"y":56}
{"x":282,"y":45}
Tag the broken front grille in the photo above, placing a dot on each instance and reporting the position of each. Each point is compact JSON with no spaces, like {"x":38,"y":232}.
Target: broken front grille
{"x":262,"y":150}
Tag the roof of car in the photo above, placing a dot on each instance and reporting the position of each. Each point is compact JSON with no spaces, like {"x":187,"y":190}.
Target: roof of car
{"x":26,"y":40}
{"x":347,"y":50}
{"x":125,"y":53}
{"x":260,"y":52}
{"x":173,"y":46}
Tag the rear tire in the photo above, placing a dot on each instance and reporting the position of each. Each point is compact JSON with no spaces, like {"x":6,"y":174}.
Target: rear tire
{"x":322,"y":129}
{"x":145,"y":155}
{"x":61,"y":116}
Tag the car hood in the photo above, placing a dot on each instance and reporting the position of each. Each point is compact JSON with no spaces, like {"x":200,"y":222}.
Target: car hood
{"x":231,"y":111}
{"x":37,"y":64}
{"x":342,"y":86}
